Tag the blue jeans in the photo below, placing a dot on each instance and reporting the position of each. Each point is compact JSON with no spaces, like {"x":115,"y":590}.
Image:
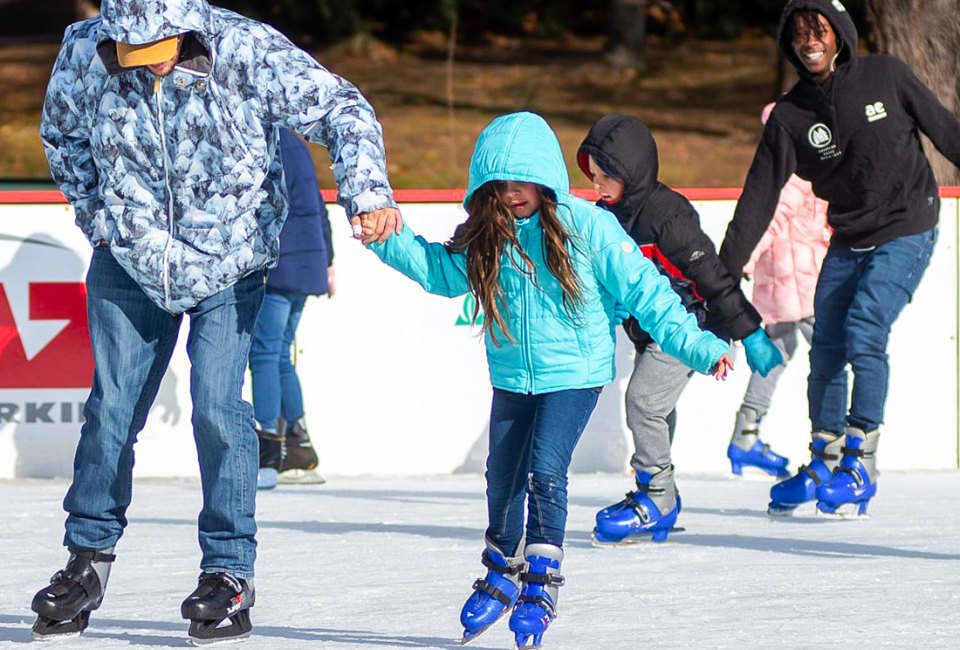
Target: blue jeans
{"x":133,"y":340}
{"x":532,"y":438}
{"x":276,"y":387}
{"x":859,"y":296}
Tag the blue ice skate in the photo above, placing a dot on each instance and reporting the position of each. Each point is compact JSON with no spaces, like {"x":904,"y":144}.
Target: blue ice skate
{"x":787,"y":495}
{"x":537,"y":605}
{"x":747,"y":450}
{"x":854,"y":481}
{"x":493,"y":595}
{"x":759,"y":456}
{"x":641,"y":513}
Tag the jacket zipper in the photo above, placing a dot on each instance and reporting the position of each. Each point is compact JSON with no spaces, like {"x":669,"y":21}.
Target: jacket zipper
{"x":527,"y":352}
{"x":158,"y":94}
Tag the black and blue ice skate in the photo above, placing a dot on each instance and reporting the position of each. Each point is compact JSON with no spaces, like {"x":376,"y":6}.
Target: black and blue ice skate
{"x":63,"y":607}
{"x":219,"y":609}
{"x":786,"y":496}
{"x":854,"y":481}
{"x":537,"y":606}
{"x":760,"y":456}
{"x":493,"y":595}
{"x":639,"y":515}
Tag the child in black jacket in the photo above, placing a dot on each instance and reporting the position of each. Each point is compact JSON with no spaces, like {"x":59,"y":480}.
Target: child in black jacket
{"x":851,"y":127}
{"x":620,"y":156}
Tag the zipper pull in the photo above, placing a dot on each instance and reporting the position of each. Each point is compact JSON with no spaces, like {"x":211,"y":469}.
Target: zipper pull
{"x":157,"y":82}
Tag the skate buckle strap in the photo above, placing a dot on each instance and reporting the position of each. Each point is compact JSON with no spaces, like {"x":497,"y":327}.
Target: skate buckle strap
{"x":508,"y":570}
{"x":92,"y":556}
{"x":859,"y":453}
{"x":639,"y":509}
{"x":482,"y":585}
{"x":809,"y":472}
{"x":853,"y":473}
{"x":549,"y":579}
{"x":820,"y":454}
{"x":542,"y":601}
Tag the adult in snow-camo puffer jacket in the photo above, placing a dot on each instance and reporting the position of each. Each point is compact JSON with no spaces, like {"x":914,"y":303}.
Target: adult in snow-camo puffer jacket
{"x":181,"y":175}
{"x":161,"y":125}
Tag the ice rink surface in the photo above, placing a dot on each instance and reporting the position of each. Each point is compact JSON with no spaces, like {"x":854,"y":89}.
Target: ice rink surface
{"x":377,"y":564}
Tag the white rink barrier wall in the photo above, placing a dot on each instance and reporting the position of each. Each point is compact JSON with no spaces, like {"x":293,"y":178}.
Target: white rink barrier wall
{"x":395,"y":380}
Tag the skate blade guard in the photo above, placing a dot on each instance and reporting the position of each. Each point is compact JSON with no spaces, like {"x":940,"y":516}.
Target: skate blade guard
{"x":231,"y":629}
{"x":48,"y":629}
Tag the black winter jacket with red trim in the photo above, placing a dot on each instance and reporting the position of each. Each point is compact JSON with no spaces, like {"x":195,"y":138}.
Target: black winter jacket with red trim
{"x":667,"y":228}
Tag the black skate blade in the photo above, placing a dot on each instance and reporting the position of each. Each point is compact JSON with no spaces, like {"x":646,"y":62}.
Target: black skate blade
{"x":227,"y":630}
{"x":48,"y":629}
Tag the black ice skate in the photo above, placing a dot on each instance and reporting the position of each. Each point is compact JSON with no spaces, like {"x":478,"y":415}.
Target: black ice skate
{"x":219,"y":598}
{"x":63,"y":607}
{"x":300,"y":459}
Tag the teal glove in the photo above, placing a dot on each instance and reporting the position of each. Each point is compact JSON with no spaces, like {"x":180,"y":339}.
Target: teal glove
{"x":620,"y":313}
{"x":762,"y":355}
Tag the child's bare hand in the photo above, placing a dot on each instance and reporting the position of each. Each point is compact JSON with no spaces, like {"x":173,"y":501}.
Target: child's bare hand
{"x":723,"y":366}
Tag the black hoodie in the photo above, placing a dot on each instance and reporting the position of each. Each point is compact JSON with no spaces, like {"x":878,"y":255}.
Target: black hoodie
{"x":855,"y":138}
{"x":667,"y":228}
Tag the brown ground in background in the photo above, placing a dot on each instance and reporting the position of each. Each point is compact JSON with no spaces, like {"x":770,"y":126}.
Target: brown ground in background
{"x":701,"y":99}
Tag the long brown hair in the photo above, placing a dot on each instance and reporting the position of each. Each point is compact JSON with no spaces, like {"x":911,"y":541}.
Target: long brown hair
{"x":484,"y":236}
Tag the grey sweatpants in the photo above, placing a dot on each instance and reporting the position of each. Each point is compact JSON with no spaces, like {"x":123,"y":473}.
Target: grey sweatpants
{"x":652,"y":394}
{"x":760,"y":390}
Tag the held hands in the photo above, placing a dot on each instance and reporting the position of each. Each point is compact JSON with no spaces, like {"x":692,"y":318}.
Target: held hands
{"x":722,"y":367}
{"x":620,"y":313}
{"x":377,"y":226}
{"x":762,"y":355}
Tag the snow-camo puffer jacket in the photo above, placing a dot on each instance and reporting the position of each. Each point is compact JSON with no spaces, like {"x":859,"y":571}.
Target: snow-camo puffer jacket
{"x":550,"y":350}
{"x":181,"y":175}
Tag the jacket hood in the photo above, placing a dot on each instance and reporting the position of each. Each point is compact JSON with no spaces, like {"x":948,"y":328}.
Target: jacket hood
{"x":518,"y":147}
{"x":624,"y":148}
{"x":840,"y":20}
{"x":144,"y":21}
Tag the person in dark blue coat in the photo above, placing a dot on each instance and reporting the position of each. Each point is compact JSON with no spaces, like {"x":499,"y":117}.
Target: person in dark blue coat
{"x":304,"y":269}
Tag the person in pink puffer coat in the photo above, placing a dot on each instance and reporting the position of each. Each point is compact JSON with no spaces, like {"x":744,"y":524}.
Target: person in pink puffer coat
{"x":784,"y":267}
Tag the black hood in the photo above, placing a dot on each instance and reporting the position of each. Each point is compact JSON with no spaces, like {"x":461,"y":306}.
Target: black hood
{"x":840,"y":20}
{"x":625,"y":149}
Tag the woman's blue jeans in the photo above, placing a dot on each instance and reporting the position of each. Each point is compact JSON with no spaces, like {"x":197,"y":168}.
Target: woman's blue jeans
{"x":860,"y":293}
{"x":133,"y":340}
{"x":532,"y":438}
{"x":276,"y":387}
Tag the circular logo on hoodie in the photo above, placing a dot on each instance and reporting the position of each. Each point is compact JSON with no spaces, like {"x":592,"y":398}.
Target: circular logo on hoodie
{"x":819,"y":135}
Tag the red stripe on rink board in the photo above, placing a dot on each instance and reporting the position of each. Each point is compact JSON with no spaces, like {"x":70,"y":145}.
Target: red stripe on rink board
{"x":439,"y":196}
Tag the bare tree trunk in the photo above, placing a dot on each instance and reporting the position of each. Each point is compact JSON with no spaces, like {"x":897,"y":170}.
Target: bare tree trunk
{"x":627,"y":30}
{"x":925,"y":34}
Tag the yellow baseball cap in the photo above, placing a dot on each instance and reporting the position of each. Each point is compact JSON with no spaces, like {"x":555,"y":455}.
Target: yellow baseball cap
{"x":132,"y":56}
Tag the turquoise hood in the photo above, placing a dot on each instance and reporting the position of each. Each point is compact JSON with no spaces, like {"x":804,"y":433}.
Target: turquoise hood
{"x":518,"y":147}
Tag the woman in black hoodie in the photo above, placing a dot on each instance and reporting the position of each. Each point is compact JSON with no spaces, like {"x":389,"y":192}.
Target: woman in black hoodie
{"x":620,"y":156}
{"x":851,"y":127}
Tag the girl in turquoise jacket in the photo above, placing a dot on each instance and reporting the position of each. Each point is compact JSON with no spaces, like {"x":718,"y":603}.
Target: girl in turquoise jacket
{"x":547,"y":269}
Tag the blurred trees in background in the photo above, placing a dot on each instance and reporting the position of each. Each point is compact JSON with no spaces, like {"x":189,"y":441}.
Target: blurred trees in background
{"x":925,"y":34}
{"x":324,"y":22}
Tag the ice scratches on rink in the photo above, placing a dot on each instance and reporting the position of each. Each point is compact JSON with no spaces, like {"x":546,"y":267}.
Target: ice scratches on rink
{"x":377,"y":564}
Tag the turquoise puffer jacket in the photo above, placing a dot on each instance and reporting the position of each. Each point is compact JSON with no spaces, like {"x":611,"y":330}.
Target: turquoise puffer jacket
{"x":550,"y":350}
